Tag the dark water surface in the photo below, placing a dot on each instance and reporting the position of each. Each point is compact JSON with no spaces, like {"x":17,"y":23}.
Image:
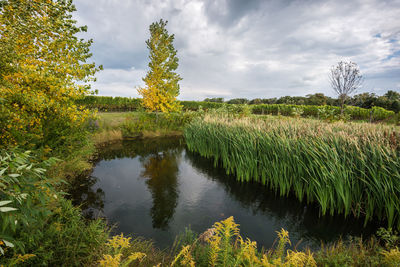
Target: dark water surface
{"x":155,"y":188}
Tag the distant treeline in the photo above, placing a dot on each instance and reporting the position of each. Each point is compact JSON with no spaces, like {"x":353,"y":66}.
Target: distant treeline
{"x":322,"y":111}
{"x":389,"y":101}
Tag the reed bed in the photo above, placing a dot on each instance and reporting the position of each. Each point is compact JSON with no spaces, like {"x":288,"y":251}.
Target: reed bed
{"x":344,"y":167}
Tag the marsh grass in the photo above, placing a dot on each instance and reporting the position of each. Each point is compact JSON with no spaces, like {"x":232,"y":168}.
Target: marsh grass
{"x":349,"y":168}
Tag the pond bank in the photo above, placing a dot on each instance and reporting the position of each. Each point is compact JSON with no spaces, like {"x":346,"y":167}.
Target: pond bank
{"x":352,"y":253}
{"x":156,"y":187}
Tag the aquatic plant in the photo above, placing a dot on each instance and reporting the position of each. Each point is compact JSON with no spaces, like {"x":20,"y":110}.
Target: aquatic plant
{"x":344,"y":167}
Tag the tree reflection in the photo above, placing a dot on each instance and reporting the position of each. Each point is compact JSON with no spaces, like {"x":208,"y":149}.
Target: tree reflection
{"x":84,"y":195}
{"x":161,"y":169}
{"x":299,"y":217}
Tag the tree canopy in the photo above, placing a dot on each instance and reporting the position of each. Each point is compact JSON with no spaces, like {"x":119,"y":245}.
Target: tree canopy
{"x":43,"y":70}
{"x":161,"y":80}
{"x":345,"y":79}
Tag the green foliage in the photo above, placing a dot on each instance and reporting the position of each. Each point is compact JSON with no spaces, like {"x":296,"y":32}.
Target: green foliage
{"x":325,"y":112}
{"x":161,"y":80}
{"x":20,"y":180}
{"x":214,"y":100}
{"x":392,"y":257}
{"x":389,"y":237}
{"x":222,"y":245}
{"x":43,"y":71}
{"x":234,"y":110}
{"x":38,"y":221}
{"x":330,"y":113}
{"x":66,"y":239}
{"x":109,"y":103}
{"x":135,"y":124}
{"x":344,"y":167}
{"x":196,"y":105}
{"x":351,"y":253}
{"x":238,"y":101}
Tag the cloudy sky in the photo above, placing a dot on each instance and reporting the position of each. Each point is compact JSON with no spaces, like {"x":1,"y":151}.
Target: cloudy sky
{"x":250,"y":49}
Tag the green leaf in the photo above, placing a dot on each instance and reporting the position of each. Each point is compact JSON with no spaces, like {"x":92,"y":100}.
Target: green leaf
{"x":8,"y":244}
{"x":6,"y":209}
{"x":5,"y":202}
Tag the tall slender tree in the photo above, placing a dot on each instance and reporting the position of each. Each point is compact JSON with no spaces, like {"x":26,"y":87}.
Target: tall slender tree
{"x":161,"y":80}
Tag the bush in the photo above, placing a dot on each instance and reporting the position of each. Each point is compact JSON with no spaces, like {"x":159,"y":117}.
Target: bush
{"x":109,"y":103}
{"x":37,"y":224}
{"x":196,"y":105}
{"x":325,"y":112}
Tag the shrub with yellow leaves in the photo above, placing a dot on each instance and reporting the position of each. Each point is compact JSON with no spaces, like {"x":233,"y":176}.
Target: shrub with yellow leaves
{"x":43,"y":70}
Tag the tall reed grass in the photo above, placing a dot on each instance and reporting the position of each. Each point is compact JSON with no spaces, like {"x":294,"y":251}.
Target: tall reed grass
{"x":344,"y":167}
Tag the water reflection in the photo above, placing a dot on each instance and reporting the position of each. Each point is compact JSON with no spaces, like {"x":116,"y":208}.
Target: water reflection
{"x":161,"y":169}
{"x":155,"y":188}
{"x":87,"y":196}
{"x":299,"y":218}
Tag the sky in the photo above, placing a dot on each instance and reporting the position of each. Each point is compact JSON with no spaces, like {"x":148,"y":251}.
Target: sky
{"x":246,"y":49}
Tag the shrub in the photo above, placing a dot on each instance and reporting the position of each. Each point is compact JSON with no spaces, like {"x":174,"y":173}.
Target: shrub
{"x":39,"y":81}
{"x":37,"y":224}
{"x":135,"y":124}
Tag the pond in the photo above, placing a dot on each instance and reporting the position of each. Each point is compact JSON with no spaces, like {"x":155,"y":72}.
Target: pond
{"x":155,"y":188}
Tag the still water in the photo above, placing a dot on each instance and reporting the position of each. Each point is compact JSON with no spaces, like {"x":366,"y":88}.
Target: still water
{"x":155,"y":188}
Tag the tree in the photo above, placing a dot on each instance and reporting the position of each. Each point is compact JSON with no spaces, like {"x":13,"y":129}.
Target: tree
{"x":392,"y":95}
{"x":43,"y":70}
{"x":364,"y":100}
{"x":345,"y":78}
{"x":238,"y":101}
{"x":317,"y":99}
{"x":214,"y":99}
{"x":161,"y":80}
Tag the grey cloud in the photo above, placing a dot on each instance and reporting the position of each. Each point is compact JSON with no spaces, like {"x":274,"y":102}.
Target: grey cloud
{"x":229,"y":12}
{"x":247,"y":48}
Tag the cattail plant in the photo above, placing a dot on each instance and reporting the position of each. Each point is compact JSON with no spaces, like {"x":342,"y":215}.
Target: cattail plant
{"x":349,"y":168}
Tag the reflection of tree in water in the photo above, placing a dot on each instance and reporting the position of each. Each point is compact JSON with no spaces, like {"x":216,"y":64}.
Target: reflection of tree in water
{"x":161,"y":169}
{"x":82,"y":194}
{"x":299,"y":217}
{"x":133,"y":148}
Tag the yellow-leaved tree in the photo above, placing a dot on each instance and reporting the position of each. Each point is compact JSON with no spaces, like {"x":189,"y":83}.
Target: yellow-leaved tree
{"x":161,"y":80}
{"x":43,"y":70}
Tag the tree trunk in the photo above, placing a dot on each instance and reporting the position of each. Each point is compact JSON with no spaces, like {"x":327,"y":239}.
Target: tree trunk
{"x":342,"y":99}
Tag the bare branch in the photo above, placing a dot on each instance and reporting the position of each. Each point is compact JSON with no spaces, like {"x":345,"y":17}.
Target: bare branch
{"x":345,"y":79}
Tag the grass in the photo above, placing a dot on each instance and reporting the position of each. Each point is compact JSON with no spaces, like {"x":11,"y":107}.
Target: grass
{"x":116,"y":126}
{"x":108,"y":128}
{"x":344,"y":167}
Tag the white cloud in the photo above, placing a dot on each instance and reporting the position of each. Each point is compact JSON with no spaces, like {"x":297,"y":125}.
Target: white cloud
{"x":119,"y":82}
{"x":247,"y":48}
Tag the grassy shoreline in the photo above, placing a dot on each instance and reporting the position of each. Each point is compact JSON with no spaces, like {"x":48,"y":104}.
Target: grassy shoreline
{"x":351,"y":253}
